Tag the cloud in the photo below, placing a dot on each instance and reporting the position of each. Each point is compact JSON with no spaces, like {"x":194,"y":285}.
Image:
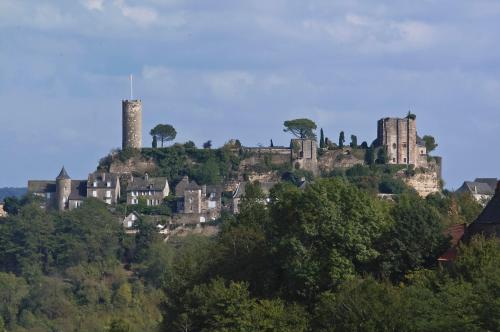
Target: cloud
{"x":94,"y":4}
{"x":143,"y":16}
{"x":229,"y":84}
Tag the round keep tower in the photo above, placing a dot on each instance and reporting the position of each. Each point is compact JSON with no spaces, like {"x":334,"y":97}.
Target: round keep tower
{"x":63,"y":189}
{"x":132,"y":124}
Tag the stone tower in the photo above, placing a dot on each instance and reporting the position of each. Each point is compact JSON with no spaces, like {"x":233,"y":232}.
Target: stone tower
{"x":305,"y":154}
{"x":399,"y":136}
{"x":132,"y":124}
{"x":63,"y":189}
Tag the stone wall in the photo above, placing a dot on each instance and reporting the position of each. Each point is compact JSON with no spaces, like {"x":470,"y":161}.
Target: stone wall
{"x":339,"y":158}
{"x":134,"y":165}
{"x":400,"y":138}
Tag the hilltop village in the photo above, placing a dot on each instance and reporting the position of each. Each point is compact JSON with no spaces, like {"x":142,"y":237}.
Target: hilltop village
{"x":156,"y":181}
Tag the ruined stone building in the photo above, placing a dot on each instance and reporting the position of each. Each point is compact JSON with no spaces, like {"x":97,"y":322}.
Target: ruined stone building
{"x":302,"y":154}
{"x":399,"y":137}
{"x":131,"y":124}
{"x":152,"y":190}
{"x":67,"y":194}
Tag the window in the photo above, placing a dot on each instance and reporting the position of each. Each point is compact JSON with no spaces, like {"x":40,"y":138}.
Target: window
{"x":94,"y":193}
{"x":393,"y":145}
{"x":404,"y":159}
{"x":393,"y":160}
{"x":108,"y":184}
{"x":212,"y":204}
{"x":108,"y":193}
{"x":95,"y":184}
{"x":404,"y":145}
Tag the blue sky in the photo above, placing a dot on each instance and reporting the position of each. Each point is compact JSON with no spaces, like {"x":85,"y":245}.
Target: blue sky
{"x":237,"y":69}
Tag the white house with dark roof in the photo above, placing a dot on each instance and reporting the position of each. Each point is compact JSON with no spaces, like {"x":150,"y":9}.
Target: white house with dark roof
{"x":152,"y":190}
{"x":481,"y":190}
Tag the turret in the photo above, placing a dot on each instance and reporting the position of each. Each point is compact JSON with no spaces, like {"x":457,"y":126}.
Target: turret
{"x":132,"y":124}
{"x":63,"y":189}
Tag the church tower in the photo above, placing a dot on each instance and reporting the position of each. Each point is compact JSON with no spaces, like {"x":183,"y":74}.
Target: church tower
{"x":63,"y":189}
{"x":132,"y":124}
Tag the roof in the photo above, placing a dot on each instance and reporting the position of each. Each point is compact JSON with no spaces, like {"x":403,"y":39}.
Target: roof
{"x":147,"y":183}
{"x":78,"y":190}
{"x":264,"y":186}
{"x":102,"y":178}
{"x":478,"y":188}
{"x":192,"y":186}
{"x":456,"y":232}
{"x":181,"y":186}
{"x":491,"y":213}
{"x":492,"y":182}
{"x":41,"y":186}
{"x":63,"y":175}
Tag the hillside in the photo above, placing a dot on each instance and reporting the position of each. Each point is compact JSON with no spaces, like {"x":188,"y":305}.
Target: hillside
{"x":11,"y":191}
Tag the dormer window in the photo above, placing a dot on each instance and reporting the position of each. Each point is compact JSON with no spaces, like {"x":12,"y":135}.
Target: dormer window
{"x":108,"y":184}
{"x":95,"y":183}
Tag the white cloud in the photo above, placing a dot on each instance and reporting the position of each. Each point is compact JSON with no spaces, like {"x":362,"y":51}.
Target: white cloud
{"x":143,"y":16}
{"x":94,"y":4}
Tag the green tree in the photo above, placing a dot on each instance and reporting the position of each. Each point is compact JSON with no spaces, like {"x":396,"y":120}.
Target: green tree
{"x":430,"y":143}
{"x":321,"y":139}
{"x":354,"y":141}
{"x":163,"y":133}
{"x":415,"y":239}
{"x":382,"y":157}
{"x":154,"y":145}
{"x":341,"y":139}
{"x":12,"y":291}
{"x":300,"y":128}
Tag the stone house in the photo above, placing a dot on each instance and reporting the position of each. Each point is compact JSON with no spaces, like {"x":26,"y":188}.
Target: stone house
{"x":130,"y":220}
{"x":197,"y":203}
{"x":104,"y":186}
{"x":152,"y":190}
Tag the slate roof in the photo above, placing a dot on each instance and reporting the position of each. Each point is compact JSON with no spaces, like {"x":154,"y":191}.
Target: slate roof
{"x":265,"y":186}
{"x":78,"y":190}
{"x":491,"y":213}
{"x":192,"y":186}
{"x":478,"y":188}
{"x":41,"y":186}
{"x":63,"y":175}
{"x":155,"y":184}
{"x":456,"y":232}
{"x":101,"y":179}
{"x":492,"y":182}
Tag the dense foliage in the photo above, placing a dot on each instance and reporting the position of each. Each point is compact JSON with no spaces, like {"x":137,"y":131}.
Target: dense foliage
{"x":330,"y":257}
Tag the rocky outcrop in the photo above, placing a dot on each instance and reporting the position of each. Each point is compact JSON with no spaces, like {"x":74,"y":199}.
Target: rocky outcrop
{"x":425,"y":183}
{"x":136,"y":165}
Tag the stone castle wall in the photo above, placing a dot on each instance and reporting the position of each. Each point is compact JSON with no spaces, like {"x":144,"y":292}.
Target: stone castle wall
{"x":132,"y":124}
{"x":400,"y":138}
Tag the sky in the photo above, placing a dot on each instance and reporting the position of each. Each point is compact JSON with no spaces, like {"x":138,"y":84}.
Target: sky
{"x":224,"y":69}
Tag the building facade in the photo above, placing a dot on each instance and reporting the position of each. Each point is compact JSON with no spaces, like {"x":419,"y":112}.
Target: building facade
{"x":104,"y":186}
{"x":152,"y":190}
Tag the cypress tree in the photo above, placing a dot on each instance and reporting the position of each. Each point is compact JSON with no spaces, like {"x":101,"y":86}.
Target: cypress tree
{"x":321,"y":139}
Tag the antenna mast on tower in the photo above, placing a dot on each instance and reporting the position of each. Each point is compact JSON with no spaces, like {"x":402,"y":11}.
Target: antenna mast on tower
{"x":131,"y":87}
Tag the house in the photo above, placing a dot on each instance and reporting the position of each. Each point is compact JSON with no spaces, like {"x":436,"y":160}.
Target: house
{"x":456,"y":233}
{"x":130,"y":220}
{"x":104,"y":186}
{"x":488,"y":222}
{"x":481,"y":191}
{"x":152,"y":190}
{"x":66,"y":194}
{"x":197,"y":203}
